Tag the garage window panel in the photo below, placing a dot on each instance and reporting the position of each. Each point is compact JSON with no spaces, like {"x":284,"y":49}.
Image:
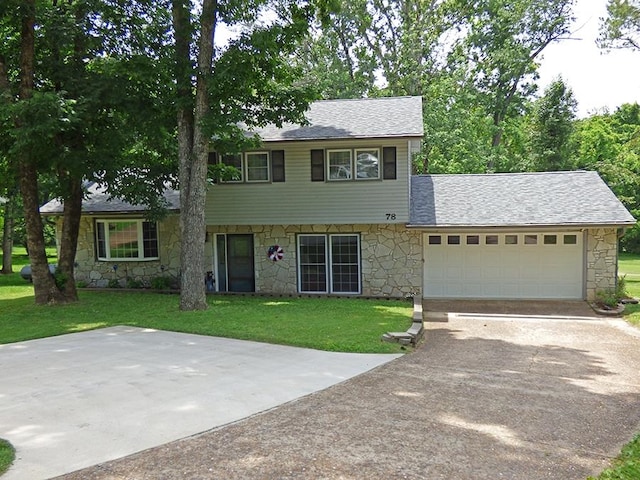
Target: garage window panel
{"x":491,"y":240}
{"x":473,"y":239}
{"x":531,"y":239}
{"x":435,"y":240}
{"x":570,"y":239}
{"x":511,"y":239}
{"x":550,"y":239}
{"x":453,"y":239}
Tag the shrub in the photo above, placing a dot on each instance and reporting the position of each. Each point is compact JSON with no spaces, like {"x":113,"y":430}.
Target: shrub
{"x":81,"y":284}
{"x":113,"y":283}
{"x":160,"y":283}
{"x":133,"y":283}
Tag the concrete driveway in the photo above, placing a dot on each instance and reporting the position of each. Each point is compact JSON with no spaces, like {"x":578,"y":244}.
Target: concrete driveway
{"x":76,"y":400}
{"x":483,"y":397}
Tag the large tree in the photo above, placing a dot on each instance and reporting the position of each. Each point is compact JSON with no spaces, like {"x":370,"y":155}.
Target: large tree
{"x":221,"y":95}
{"x":505,"y":40}
{"x":83,"y":100}
{"x":551,"y":128}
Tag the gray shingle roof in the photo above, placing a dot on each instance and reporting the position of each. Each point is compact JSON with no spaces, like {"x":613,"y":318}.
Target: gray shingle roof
{"x":98,"y":201}
{"x":354,"y":118}
{"x":515,"y":199}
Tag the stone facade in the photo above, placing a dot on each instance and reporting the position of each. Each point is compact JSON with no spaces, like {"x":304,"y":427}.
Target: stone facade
{"x":96,"y":273}
{"x":602,"y":260}
{"x":391,"y":257}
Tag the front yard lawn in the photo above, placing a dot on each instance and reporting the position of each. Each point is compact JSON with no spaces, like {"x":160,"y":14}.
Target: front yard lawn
{"x":629,"y":268}
{"x":333,"y":324}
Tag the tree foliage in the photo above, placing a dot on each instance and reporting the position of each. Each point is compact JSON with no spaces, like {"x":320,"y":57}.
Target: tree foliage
{"x":621,"y":27}
{"x":82,"y":93}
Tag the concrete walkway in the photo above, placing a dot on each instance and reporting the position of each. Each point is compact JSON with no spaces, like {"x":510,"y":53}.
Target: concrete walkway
{"x":77,"y":400}
{"x":483,"y":397}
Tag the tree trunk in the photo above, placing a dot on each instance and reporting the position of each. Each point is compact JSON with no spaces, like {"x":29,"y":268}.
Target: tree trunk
{"x":193,"y":147}
{"x":69,"y":238}
{"x":44,"y":285}
{"x":7,"y":237}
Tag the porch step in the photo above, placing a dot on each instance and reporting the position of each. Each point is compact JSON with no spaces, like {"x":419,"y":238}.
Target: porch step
{"x":413,"y":335}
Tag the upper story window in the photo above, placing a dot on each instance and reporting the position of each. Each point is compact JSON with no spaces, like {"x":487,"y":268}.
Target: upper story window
{"x":368,"y":163}
{"x":126,"y":240}
{"x":341,"y":164}
{"x":257,"y":166}
{"x":254,"y":167}
{"x":353,"y":164}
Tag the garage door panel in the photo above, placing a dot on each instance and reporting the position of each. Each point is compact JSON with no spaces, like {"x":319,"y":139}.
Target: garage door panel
{"x":521,"y":270}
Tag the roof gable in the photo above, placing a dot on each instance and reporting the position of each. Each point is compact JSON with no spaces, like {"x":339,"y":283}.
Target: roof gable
{"x":515,"y":199}
{"x":353,"y":118}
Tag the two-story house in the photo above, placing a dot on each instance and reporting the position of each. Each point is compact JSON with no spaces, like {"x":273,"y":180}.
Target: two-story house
{"x":332,"y":208}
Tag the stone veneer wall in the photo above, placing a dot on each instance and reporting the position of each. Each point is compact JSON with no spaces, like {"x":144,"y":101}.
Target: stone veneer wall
{"x":391,"y":257}
{"x":602,"y":260}
{"x":97,"y":273}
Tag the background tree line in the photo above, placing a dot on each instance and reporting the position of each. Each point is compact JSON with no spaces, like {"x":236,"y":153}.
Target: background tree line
{"x":131,"y":93}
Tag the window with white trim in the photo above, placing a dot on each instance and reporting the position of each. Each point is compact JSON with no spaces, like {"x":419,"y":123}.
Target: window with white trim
{"x":367,"y":163}
{"x":257,"y":166}
{"x":329,"y":263}
{"x":339,"y":164}
{"x":126,"y":240}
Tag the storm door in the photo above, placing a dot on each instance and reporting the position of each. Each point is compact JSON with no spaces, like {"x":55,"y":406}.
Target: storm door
{"x":234,"y":263}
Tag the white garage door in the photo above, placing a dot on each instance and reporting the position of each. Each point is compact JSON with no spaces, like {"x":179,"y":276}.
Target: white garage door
{"x":505,"y":265}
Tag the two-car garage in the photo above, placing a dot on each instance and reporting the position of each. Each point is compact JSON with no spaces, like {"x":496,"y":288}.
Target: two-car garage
{"x":512,"y":265}
{"x":546,"y":235}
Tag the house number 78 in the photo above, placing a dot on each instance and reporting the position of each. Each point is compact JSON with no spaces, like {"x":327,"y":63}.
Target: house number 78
{"x":390,"y":216}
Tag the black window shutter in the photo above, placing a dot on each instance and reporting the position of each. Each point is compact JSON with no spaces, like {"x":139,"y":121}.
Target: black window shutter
{"x":213,"y":158}
{"x":317,"y":165}
{"x":277,"y":166}
{"x":389,"y":163}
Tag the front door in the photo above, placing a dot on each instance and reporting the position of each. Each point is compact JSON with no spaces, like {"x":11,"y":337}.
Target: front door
{"x":235,"y":266}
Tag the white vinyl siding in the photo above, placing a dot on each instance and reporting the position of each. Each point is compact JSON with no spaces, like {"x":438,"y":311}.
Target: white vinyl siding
{"x":298,"y":200}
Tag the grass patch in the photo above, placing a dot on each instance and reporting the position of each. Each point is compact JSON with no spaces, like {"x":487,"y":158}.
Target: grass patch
{"x":626,"y":466}
{"x":332,"y":324}
{"x":7,"y":455}
{"x":629,"y":268}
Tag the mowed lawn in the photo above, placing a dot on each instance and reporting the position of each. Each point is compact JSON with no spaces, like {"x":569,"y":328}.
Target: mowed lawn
{"x":629,"y":269}
{"x":333,"y":324}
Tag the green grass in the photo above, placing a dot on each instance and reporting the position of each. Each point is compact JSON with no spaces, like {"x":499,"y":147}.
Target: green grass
{"x":629,"y":268}
{"x":626,"y":466}
{"x":7,"y":455}
{"x":333,"y":324}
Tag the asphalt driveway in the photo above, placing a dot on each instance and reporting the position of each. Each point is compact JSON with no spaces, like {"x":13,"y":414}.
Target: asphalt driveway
{"x":483,"y":397}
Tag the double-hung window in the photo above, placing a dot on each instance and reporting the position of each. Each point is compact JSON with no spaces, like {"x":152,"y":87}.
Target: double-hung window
{"x":357,"y":164}
{"x":257,"y":166}
{"x":126,"y":240}
{"x":254,"y":167}
{"x":339,"y":164}
{"x":329,"y":263}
